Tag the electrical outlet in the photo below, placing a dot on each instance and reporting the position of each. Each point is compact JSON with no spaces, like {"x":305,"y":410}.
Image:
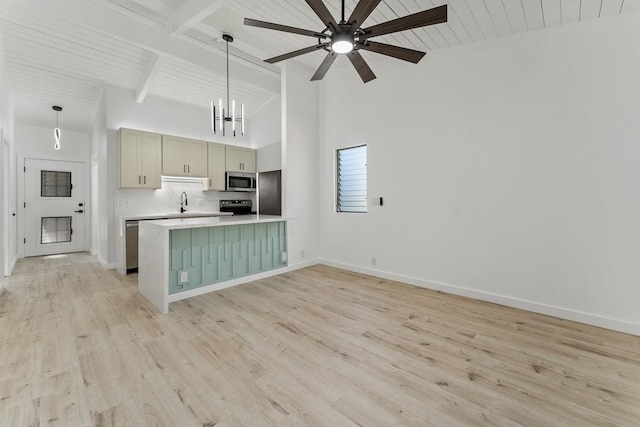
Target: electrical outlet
{"x":302,"y":253}
{"x":184,"y":276}
{"x":283,"y":257}
{"x":200,"y":202}
{"x":374,"y":261}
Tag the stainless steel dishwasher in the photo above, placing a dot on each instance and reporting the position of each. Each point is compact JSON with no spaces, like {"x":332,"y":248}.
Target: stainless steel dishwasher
{"x":131,"y":245}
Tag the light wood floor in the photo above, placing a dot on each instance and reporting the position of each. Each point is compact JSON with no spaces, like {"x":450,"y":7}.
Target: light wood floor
{"x":79,"y":346}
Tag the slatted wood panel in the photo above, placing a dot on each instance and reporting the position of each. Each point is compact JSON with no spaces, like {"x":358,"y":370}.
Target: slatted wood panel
{"x":214,"y":254}
{"x":54,"y":61}
{"x":80,"y":346}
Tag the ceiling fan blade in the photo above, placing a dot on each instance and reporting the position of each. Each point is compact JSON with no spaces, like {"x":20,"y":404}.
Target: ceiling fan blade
{"x":361,"y":66}
{"x":324,"y":67}
{"x":437,"y":15}
{"x":405,"y":54}
{"x":323,"y":13}
{"x":295,"y":53}
{"x":362,"y":11}
{"x":287,"y":29}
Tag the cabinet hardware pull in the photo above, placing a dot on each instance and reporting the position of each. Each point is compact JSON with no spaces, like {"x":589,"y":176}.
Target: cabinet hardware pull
{"x":184,"y":168}
{"x":189,"y":168}
{"x":145,"y":179}
{"x":209,"y":182}
{"x":139,"y":181}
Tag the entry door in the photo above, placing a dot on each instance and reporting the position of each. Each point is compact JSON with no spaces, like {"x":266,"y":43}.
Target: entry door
{"x":54,"y":207}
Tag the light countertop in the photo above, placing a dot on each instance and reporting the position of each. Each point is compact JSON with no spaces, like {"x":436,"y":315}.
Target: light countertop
{"x":178,"y":223}
{"x":172,"y":215}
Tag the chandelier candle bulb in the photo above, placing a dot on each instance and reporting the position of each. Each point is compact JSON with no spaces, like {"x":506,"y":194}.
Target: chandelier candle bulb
{"x":221,"y":116}
{"x":213,"y":117}
{"x":242,"y":118}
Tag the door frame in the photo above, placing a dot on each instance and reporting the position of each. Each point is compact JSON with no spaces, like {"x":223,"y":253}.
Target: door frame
{"x":21,"y":199}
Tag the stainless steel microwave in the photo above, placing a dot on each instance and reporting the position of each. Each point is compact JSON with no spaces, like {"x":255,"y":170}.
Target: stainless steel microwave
{"x":240,"y":181}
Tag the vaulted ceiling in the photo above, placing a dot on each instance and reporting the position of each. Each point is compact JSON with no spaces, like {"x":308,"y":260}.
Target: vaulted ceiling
{"x":63,"y":52}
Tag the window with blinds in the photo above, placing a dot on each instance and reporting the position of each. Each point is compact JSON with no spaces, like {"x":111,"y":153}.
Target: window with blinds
{"x":55,"y":229}
{"x":352,"y":179}
{"x":55,"y":184}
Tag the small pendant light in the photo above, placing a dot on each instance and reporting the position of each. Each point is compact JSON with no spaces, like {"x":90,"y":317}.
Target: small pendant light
{"x":56,"y":131}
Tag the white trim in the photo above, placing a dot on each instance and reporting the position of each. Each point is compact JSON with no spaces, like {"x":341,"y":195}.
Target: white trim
{"x":550,"y":310}
{"x":239,"y":281}
{"x":13,"y":264}
{"x":105,"y":264}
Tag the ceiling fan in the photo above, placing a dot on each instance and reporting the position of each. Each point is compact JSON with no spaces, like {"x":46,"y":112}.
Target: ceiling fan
{"x":347,"y":37}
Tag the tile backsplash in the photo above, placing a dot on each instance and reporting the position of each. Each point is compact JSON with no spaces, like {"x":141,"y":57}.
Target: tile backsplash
{"x":167,"y":199}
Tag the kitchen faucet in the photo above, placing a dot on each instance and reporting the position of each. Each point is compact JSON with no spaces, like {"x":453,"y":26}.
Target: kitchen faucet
{"x":183,"y":204}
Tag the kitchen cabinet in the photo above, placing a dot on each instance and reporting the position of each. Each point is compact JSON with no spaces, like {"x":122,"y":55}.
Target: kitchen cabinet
{"x":240,"y":159}
{"x":216,"y":167}
{"x":139,"y":159}
{"x":183,"y":157}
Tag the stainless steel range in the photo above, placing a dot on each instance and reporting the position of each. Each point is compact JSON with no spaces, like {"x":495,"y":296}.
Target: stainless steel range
{"x":237,"y":207}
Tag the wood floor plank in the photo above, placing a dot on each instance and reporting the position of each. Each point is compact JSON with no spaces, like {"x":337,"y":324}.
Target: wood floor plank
{"x":318,"y":346}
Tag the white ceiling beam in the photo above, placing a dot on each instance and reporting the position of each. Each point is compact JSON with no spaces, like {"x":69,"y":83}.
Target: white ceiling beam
{"x":149,"y":75}
{"x":190,"y":13}
{"x":155,"y":39}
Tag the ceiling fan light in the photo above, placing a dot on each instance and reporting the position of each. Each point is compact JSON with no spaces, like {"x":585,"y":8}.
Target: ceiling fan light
{"x":342,"y":43}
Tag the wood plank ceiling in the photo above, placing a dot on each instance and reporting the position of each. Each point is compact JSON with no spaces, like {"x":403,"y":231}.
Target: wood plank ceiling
{"x":64,"y":52}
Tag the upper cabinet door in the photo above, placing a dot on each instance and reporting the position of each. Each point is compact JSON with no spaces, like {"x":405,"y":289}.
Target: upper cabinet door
{"x":216,"y":167}
{"x":173,"y":156}
{"x":241,"y":159}
{"x":129,"y":168}
{"x":196,"y":158}
{"x":151,"y":154}
{"x":249,"y":160}
{"x":139,"y":159}
{"x":233,"y":156}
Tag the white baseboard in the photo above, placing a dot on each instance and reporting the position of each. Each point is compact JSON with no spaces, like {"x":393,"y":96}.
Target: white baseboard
{"x":105,"y":264}
{"x":239,"y":281}
{"x":550,"y":310}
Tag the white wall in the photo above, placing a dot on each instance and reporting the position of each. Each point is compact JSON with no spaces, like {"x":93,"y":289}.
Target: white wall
{"x":269,"y":158}
{"x":102,"y":208}
{"x":37,"y":143}
{"x":300,"y":162}
{"x":266,"y":124}
{"x":8,"y":246}
{"x":509,"y":170}
{"x":266,"y":135}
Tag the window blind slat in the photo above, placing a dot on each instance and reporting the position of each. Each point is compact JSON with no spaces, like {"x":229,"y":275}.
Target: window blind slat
{"x":352,"y":179}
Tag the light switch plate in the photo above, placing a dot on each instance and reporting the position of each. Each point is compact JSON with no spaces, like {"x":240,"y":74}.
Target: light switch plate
{"x":184,"y":276}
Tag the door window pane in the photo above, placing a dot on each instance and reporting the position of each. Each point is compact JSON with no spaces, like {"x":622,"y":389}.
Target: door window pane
{"x":55,"y":184}
{"x":55,"y":229}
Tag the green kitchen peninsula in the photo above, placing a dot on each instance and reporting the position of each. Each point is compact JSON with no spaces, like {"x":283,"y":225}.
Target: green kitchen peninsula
{"x":182,"y":258}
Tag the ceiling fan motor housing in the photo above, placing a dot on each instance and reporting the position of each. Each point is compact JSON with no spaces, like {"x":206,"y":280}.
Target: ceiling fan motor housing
{"x":342,"y":42}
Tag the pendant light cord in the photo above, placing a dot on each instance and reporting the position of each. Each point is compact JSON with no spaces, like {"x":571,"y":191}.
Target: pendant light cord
{"x":228,"y":76}
{"x":342,"y":12}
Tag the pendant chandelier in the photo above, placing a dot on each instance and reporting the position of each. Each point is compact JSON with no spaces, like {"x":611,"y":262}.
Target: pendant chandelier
{"x":56,"y":131}
{"x":220,"y":116}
